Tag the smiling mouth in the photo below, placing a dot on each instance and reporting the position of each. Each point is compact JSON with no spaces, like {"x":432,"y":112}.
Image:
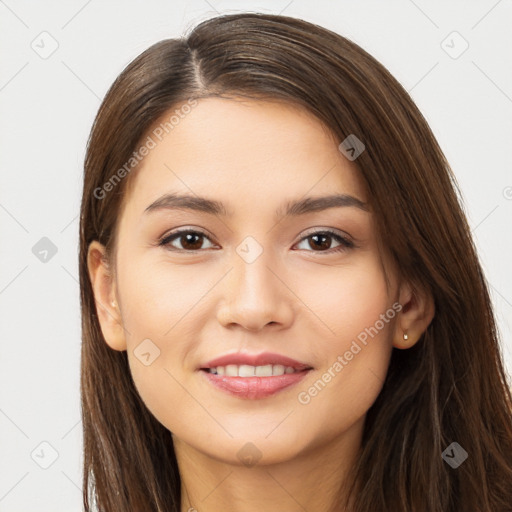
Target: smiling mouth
{"x":245,"y":370}
{"x":253,"y":382}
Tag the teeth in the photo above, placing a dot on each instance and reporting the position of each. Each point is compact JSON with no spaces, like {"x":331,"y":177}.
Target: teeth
{"x":245,"y":370}
{"x":231,"y":370}
{"x":278,"y":369}
{"x":264,"y":371}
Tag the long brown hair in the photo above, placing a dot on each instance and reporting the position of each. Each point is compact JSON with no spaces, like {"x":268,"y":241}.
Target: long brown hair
{"x":449,"y":387}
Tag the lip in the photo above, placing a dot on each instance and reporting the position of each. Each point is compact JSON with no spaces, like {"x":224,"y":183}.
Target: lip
{"x":255,"y":360}
{"x":253,"y":388}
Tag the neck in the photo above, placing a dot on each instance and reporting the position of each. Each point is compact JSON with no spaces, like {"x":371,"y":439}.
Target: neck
{"x":310,"y":481}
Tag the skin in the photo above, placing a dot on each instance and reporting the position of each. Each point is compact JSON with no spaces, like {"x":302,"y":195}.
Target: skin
{"x":295,"y":299}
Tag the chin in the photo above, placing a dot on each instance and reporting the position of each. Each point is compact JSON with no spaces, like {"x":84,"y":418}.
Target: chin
{"x":255,"y":449}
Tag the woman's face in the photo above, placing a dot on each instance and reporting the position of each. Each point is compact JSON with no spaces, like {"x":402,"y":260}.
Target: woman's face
{"x":249,"y":280}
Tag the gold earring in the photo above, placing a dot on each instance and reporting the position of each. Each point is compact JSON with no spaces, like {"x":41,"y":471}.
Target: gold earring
{"x":406,"y":337}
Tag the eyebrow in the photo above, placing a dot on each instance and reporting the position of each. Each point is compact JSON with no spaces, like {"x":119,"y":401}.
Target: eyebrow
{"x":293,"y":208}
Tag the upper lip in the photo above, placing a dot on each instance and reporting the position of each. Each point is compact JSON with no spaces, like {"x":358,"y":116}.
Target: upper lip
{"x":261,"y":359}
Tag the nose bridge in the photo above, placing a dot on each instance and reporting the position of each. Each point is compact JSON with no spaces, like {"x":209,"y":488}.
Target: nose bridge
{"x":253,"y":295}
{"x":253,"y":278}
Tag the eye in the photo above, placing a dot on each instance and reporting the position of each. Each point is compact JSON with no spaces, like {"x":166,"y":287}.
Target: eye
{"x":189,"y":240}
{"x":321,"y":240}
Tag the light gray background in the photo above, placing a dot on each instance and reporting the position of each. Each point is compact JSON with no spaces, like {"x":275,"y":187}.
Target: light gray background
{"x":48,"y":106}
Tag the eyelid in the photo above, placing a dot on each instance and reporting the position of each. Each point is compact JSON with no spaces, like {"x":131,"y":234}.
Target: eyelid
{"x":345,"y":237}
{"x":317,"y":229}
{"x":182,"y":230}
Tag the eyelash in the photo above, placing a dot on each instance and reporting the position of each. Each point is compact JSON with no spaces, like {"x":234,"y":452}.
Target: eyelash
{"x":345,"y":243}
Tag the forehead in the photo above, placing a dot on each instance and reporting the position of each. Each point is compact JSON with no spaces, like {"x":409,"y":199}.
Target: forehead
{"x":245,"y":153}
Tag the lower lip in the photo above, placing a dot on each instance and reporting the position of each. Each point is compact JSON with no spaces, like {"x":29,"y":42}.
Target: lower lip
{"x":253,"y":388}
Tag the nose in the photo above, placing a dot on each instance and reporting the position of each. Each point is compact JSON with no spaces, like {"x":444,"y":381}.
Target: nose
{"x":255,"y":295}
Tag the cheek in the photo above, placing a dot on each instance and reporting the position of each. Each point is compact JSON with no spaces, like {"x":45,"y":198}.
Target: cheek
{"x":346,"y":300}
{"x":158,"y":299}
{"x":160,"y":305}
{"x":358,"y":309}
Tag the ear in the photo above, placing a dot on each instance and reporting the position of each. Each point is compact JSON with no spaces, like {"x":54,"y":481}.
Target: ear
{"x":417,"y":312}
{"x":107,"y":308}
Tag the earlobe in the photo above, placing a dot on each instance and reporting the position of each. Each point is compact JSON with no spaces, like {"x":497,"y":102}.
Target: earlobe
{"x":103,"y":286}
{"x":417,"y":312}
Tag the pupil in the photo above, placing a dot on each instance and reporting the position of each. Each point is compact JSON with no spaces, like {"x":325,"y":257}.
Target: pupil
{"x":188,"y":237}
{"x":193,"y":245}
{"x":325,"y":246}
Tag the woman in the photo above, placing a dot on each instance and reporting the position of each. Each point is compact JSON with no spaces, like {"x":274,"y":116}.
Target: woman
{"x":282,"y":305}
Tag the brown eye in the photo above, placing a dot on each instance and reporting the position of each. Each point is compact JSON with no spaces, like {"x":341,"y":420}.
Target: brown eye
{"x":320,"y":241}
{"x":188,"y":239}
